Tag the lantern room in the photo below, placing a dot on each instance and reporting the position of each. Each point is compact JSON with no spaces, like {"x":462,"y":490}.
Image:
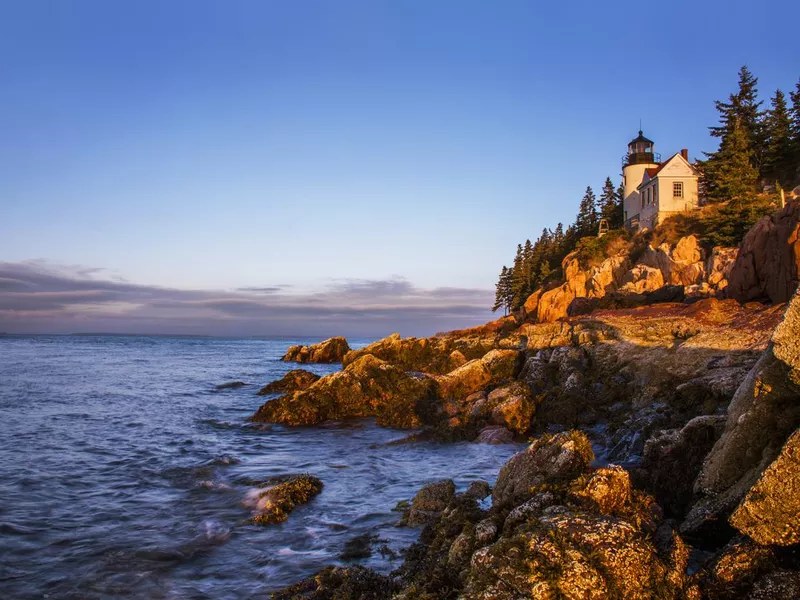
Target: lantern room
{"x":640,"y":151}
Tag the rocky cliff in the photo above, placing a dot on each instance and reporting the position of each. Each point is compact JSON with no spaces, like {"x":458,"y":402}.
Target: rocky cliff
{"x":667,"y":433}
{"x":562,"y":523}
{"x":664,"y":273}
{"x":765,"y":267}
{"x":768,"y":264}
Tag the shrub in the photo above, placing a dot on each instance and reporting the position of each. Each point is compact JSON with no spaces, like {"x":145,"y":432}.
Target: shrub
{"x":723,"y":224}
{"x":594,"y":250}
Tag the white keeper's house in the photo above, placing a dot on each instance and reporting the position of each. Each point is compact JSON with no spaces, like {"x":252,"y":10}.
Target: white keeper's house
{"x":654,"y":189}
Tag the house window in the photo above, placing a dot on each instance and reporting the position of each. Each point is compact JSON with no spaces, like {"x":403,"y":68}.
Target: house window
{"x":677,"y":189}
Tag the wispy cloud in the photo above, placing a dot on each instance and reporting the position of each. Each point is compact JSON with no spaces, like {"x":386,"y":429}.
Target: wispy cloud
{"x":39,"y":297}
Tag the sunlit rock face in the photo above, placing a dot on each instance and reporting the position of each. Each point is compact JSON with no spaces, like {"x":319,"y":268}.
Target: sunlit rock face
{"x":770,"y":512}
{"x":294,"y":380}
{"x":763,"y":413}
{"x":369,"y":387}
{"x":331,"y":350}
{"x":768,"y":264}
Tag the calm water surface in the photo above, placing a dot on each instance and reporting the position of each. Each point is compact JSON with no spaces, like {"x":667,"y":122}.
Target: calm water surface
{"x":124,"y":473}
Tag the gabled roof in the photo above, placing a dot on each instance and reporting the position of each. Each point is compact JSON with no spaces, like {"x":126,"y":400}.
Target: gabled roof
{"x":652,"y":172}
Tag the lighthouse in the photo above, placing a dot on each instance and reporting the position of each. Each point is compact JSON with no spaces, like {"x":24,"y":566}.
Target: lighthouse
{"x":635,"y":163}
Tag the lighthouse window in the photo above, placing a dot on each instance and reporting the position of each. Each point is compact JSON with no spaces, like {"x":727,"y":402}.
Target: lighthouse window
{"x":677,"y":189}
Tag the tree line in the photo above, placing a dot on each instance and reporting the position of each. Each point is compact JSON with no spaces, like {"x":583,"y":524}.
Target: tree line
{"x":539,"y":262}
{"x":758,"y":147}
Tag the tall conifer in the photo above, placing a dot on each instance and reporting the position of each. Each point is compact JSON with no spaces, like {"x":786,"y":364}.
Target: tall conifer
{"x":731,"y":175}
{"x":794,"y":126}
{"x":586,"y":220}
{"x":610,"y":207}
{"x":779,"y":155}
{"x":741,"y":134}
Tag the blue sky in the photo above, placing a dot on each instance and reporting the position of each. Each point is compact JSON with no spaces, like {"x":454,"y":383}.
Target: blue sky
{"x":216,"y":146}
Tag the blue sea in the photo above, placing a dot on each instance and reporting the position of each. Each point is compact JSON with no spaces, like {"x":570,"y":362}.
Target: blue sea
{"x":124,"y":472}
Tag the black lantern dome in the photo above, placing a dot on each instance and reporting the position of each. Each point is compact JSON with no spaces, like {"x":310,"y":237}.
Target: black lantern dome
{"x":640,"y":151}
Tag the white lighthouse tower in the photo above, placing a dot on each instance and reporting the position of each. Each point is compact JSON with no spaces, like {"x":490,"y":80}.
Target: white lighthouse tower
{"x":639,"y":158}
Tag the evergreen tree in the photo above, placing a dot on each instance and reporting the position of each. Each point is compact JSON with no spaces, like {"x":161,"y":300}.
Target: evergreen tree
{"x":503,"y":292}
{"x":544,"y":271}
{"x":741,"y":133}
{"x":794,"y":126}
{"x":743,"y":109}
{"x":518,"y":279}
{"x":610,"y":206}
{"x":499,"y":298}
{"x":729,"y":174}
{"x":587,"y":219}
{"x":508,"y":291}
{"x":558,"y":236}
{"x":779,"y":155}
{"x":528,"y":267}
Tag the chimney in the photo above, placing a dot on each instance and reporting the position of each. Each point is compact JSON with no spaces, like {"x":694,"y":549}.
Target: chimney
{"x":685,"y":154}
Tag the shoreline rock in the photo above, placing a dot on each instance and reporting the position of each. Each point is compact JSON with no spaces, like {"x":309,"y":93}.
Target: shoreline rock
{"x":274,"y":504}
{"x":295,"y":380}
{"x":369,"y":387}
{"x":331,"y":350}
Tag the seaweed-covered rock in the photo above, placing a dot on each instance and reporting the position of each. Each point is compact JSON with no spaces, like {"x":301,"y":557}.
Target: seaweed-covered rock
{"x":572,"y":554}
{"x":369,"y":387}
{"x":429,"y":503}
{"x":770,"y":513}
{"x":274,"y":504}
{"x":731,"y":572}
{"x":341,"y":583}
{"x":331,"y":350}
{"x":478,"y":489}
{"x":294,"y":380}
{"x":584,"y":534}
{"x":548,"y":460}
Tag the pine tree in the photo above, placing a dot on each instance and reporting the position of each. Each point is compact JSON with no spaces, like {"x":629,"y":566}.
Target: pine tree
{"x":741,"y":133}
{"x":586,"y":221}
{"x":779,"y":155}
{"x":499,"y":296}
{"x":518,"y":279}
{"x":610,"y":207}
{"x":730,"y":175}
{"x":558,"y":237}
{"x":528,"y":266}
{"x":508,"y":290}
{"x":794,"y":126}
{"x":743,"y":108}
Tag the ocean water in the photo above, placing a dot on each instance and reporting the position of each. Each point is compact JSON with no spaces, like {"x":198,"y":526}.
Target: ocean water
{"x":125,"y":473}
